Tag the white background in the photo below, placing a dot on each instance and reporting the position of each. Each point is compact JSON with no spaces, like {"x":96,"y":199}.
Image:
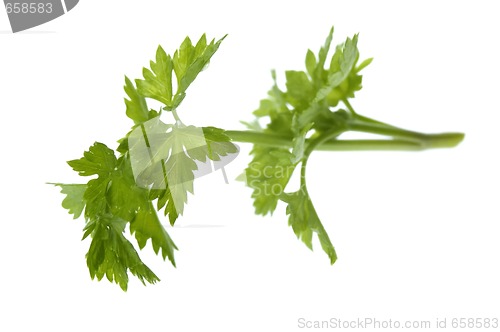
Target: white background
{"x":417,"y":234}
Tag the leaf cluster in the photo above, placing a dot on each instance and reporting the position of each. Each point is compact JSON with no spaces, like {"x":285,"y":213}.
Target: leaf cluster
{"x":154,"y":169}
{"x":306,"y":114}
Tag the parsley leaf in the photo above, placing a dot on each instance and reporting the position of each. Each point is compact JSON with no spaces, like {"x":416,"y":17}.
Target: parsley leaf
{"x":268,"y":174}
{"x":299,"y":89}
{"x":111,"y":201}
{"x":305,"y":221}
{"x":339,"y":82}
{"x":319,"y":72}
{"x":179,"y":168}
{"x":165,"y":200}
{"x":158,"y":83}
{"x":299,"y":145}
{"x":146,"y":225}
{"x":73,"y":201}
{"x":190,"y":60}
{"x":311,"y":64}
{"x":341,"y":65}
{"x":137,"y":108}
{"x":95,"y":197}
{"x":275,"y":103}
{"x":132,"y":203}
{"x":164,"y":157}
{"x":112,"y":255}
{"x":218,"y":143}
{"x":98,"y":160}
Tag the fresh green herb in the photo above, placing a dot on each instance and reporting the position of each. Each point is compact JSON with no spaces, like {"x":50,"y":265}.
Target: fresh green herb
{"x":158,"y":162}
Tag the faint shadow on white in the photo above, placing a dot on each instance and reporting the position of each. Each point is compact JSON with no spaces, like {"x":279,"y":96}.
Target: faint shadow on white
{"x":199,"y":226}
{"x":8,"y":32}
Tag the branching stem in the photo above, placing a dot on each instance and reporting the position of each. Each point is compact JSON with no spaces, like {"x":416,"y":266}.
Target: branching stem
{"x":397,"y":140}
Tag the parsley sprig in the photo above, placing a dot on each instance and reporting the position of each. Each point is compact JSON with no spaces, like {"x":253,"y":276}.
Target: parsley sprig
{"x":156,"y":163}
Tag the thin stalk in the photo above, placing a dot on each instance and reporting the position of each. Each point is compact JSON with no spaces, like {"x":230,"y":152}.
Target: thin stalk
{"x":404,"y":141}
{"x":349,"y":107}
{"x":422,"y":141}
{"x":312,"y":144}
{"x":363,"y":118}
{"x":370,"y":145}
{"x":256,"y":137}
{"x":444,"y":140}
{"x":176,"y":116}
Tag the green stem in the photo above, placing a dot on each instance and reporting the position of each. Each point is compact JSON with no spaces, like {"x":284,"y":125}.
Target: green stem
{"x":404,"y":141}
{"x":422,"y":141}
{"x":363,"y":124}
{"x":312,"y":144}
{"x":176,"y":116}
{"x":363,"y":118}
{"x":349,"y":107}
{"x":427,"y":141}
{"x":257,"y":137}
{"x":370,"y":145}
